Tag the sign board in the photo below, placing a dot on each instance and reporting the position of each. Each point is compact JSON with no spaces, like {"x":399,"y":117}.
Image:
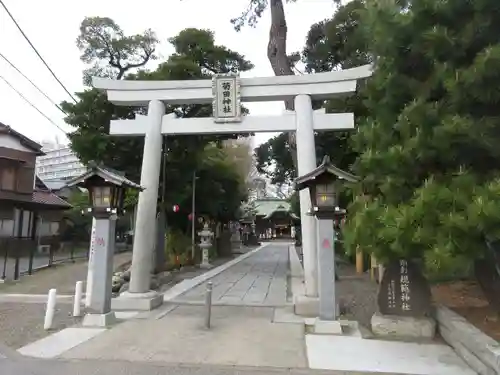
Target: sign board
{"x":404,"y":291}
{"x":226,"y":98}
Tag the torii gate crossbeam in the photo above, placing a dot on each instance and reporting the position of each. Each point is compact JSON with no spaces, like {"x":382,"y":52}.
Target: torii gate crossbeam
{"x":155,"y":94}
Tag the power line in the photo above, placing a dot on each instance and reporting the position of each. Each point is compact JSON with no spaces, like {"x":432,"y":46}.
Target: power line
{"x":36,"y":51}
{"x":31,"y":104}
{"x":32,"y":83}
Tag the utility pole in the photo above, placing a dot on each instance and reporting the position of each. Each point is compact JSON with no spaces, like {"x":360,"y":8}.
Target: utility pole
{"x":161,"y":220}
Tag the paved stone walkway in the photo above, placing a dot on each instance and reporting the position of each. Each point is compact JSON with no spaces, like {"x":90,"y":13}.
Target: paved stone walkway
{"x":242,"y":331}
{"x":239,"y":336}
{"x":260,"y":280}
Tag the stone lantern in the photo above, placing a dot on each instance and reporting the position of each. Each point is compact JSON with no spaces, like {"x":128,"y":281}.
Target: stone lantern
{"x":206,"y":236}
{"x":321,"y":183}
{"x":106,"y":189}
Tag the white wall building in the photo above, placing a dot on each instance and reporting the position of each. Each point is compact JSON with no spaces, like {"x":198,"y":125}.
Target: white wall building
{"x":58,"y":163}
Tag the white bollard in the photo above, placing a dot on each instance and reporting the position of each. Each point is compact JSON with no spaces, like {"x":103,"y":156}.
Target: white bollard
{"x":49,"y":312}
{"x":77,"y":311}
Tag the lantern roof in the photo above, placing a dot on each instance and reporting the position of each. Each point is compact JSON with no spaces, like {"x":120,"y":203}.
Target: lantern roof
{"x":107,"y":174}
{"x":326,"y":168}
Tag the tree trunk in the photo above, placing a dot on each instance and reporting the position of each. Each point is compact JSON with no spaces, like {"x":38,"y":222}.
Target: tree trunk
{"x":276,"y":53}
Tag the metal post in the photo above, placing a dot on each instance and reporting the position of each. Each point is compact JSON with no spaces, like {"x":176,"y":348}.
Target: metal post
{"x":161,"y":218}
{"x":5,"y":257}
{"x":30,"y":262}
{"x":16,"y":265}
{"x":19,"y":236}
{"x":193,"y":218}
{"x":51,"y":252}
{"x":208,"y":304}
{"x":35,"y":247}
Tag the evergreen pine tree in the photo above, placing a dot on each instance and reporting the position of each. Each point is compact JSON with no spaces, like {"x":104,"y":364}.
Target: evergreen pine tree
{"x":430,"y":146}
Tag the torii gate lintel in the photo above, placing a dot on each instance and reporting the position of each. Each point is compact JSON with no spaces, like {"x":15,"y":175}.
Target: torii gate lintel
{"x":249,"y":124}
{"x":304,"y":121}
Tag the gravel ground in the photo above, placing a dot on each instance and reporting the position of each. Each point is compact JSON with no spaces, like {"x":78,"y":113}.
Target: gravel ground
{"x":63,"y":277}
{"x":356,"y":293}
{"x":22,"y":323}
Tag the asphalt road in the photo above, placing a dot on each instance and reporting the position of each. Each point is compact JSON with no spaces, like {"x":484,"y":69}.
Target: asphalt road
{"x":26,"y":366}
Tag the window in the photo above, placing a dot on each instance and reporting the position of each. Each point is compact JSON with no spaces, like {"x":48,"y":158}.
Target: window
{"x":7,"y":178}
{"x":53,"y":228}
{"x":6,"y":227}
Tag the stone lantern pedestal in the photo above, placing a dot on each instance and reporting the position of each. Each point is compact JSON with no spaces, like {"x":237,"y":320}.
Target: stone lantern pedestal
{"x":206,"y":236}
{"x":322,"y":184}
{"x":107,"y":188}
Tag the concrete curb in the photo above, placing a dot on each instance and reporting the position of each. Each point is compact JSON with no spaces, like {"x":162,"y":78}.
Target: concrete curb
{"x":33,"y":298}
{"x":478,"y":350}
{"x":229,"y":304}
{"x":59,"y":342}
{"x":296,"y":273}
{"x":186,"y":285}
{"x":296,"y":268}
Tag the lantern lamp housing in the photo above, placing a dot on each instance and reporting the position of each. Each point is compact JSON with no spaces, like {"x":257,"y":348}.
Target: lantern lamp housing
{"x":107,"y":188}
{"x":321,"y":183}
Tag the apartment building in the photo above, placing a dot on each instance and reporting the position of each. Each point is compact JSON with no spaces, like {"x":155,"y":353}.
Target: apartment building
{"x":59,"y":163}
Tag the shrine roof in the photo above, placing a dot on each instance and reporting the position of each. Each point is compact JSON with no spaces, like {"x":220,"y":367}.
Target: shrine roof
{"x":106,"y":173}
{"x":268,"y":206}
{"x":325,"y":168}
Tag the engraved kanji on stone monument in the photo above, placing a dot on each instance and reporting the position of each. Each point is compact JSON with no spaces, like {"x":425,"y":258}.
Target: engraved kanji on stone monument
{"x":404,"y":291}
{"x":226,"y":98}
{"x":404,"y":286}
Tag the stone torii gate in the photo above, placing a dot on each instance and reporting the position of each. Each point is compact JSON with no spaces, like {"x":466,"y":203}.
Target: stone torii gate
{"x":225,"y":92}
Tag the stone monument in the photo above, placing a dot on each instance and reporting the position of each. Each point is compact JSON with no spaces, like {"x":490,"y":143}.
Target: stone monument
{"x":404,"y":302}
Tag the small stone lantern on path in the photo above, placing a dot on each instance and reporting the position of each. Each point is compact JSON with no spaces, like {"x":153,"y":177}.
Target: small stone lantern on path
{"x":106,"y":189}
{"x":206,"y":236}
{"x":321,"y":183}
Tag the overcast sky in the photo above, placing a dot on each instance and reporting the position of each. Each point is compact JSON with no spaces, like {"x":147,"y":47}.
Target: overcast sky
{"x":53,"y":25}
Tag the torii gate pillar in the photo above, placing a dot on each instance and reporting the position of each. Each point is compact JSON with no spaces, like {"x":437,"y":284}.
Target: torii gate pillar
{"x":305,"y":121}
{"x":306,"y":162}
